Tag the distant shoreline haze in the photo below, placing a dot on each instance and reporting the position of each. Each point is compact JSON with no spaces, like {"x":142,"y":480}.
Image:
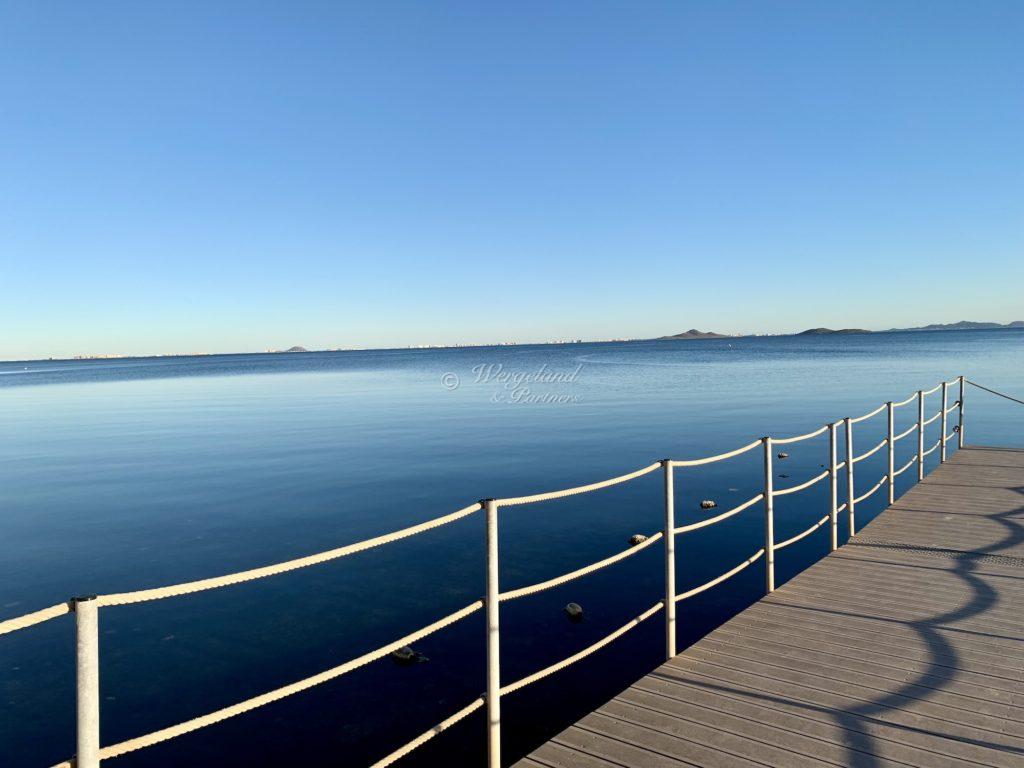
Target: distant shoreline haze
{"x":691,"y":335}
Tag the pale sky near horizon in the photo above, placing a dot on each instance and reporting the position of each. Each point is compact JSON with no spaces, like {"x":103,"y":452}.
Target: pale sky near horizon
{"x":201,"y":177}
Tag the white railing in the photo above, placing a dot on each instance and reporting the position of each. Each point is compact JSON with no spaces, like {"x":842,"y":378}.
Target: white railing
{"x":86,"y":609}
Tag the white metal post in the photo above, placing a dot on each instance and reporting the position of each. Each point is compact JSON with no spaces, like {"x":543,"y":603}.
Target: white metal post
{"x":769,"y":525}
{"x":892,"y":455}
{"x":87,"y":678}
{"x":493,"y":649}
{"x":942,"y":425}
{"x":670,"y":562}
{"x":832,"y":480}
{"x":848,"y":430}
{"x":920,"y":435}
{"x":960,"y":428}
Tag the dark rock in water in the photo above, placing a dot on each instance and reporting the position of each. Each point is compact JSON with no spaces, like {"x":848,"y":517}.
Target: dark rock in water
{"x":406,"y":656}
{"x":782,"y":455}
{"x":574,"y":611}
{"x":783,"y":474}
{"x":708,"y":504}
{"x":637,"y":538}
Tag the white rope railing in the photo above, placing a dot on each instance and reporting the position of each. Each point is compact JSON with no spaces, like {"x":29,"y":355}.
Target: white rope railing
{"x":718,"y":457}
{"x":908,"y":465}
{"x":522,"y":683}
{"x":808,"y":484}
{"x":867,"y":416}
{"x":578,"y":489}
{"x":858,"y":459}
{"x":159,"y":593}
{"x":423,"y":738}
{"x":936,"y":388}
{"x":873,"y":488}
{"x":718,"y":518}
{"x":495,"y":596}
{"x":904,"y":433}
{"x":798,"y":438}
{"x":573,"y":575}
{"x":719,"y":579}
{"x":131,"y":745}
{"x":802,"y":534}
{"x":36,"y":617}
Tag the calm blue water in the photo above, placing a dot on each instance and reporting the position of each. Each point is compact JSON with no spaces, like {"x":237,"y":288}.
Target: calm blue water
{"x":118,"y":475}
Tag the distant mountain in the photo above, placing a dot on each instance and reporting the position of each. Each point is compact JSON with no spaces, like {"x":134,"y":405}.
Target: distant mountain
{"x":826,"y":331}
{"x":296,"y":349}
{"x":963,"y":325}
{"x":693,"y":333}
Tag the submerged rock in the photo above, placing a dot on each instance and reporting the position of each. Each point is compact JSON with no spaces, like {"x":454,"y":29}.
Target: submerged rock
{"x":637,"y":538}
{"x":708,"y":504}
{"x":406,"y":655}
{"x":782,"y":455}
{"x":574,"y":611}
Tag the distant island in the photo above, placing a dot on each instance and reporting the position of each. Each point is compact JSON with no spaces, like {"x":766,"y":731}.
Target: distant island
{"x":284,"y":351}
{"x":963,"y":325}
{"x":693,"y":333}
{"x":825,"y":331}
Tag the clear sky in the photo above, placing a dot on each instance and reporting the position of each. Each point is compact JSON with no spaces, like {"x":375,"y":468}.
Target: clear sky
{"x":218,"y":176}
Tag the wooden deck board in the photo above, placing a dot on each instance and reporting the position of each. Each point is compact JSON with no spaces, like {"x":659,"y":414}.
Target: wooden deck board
{"x":904,"y":648}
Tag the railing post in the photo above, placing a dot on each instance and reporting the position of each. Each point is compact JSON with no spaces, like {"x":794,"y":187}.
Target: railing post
{"x":960,"y":427}
{"x":769,"y":524}
{"x":87,"y":678}
{"x":848,"y":430}
{"x":670,"y":562}
{"x":493,"y":648}
{"x":834,"y":512}
{"x":920,"y":435}
{"x":892,"y":455}
{"x":942,"y":425}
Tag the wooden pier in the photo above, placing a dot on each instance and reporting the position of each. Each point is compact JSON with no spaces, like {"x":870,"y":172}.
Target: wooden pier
{"x":905,"y":647}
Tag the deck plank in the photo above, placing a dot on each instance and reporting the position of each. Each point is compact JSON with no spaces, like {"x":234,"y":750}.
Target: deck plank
{"x":903,"y":648}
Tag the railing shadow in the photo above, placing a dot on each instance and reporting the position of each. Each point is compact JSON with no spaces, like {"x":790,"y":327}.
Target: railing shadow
{"x":941,"y":664}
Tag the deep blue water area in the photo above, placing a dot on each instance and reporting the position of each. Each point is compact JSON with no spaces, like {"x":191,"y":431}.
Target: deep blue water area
{"x":124,"y":474}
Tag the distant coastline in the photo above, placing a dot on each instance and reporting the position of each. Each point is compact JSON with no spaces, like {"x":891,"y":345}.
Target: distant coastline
{"x":691,"y":335}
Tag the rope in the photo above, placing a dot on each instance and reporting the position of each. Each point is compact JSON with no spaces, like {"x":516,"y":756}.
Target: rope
{"x":904,"y":402}
{"x":579,"y":489}
{"x":541,"y":586}
{"x":719,"y":457}
{"x":904,"y":433}
{"x":933,"y":418}
{"x":159,"y":593}
{"x":719,"y":579}
{"x":873,"y":450}
{"x":194,"y":724}
{"x":866,"y":416}
{"x":906,"y":466}
{"x":428,"y":735}
{"x":808,"y":484}
{"x":512,"y":687}
{"x":950,"y":436}
{"x":874,"y":488}
{"x":798,"y":438}
{"x":936,"y":388}
{"x":953,"y":407}
{"x":1000,"y":394}
{"x":808,"y":532}
{"x":719,"y":518}
{"x":937,"y":444}
{"x":31,"y":619}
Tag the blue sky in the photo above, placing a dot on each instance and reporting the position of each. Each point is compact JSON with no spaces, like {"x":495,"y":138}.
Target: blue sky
{"x":179,"y":176}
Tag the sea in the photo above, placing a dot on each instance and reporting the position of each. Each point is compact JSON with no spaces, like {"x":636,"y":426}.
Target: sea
{"x":125,"y":474}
